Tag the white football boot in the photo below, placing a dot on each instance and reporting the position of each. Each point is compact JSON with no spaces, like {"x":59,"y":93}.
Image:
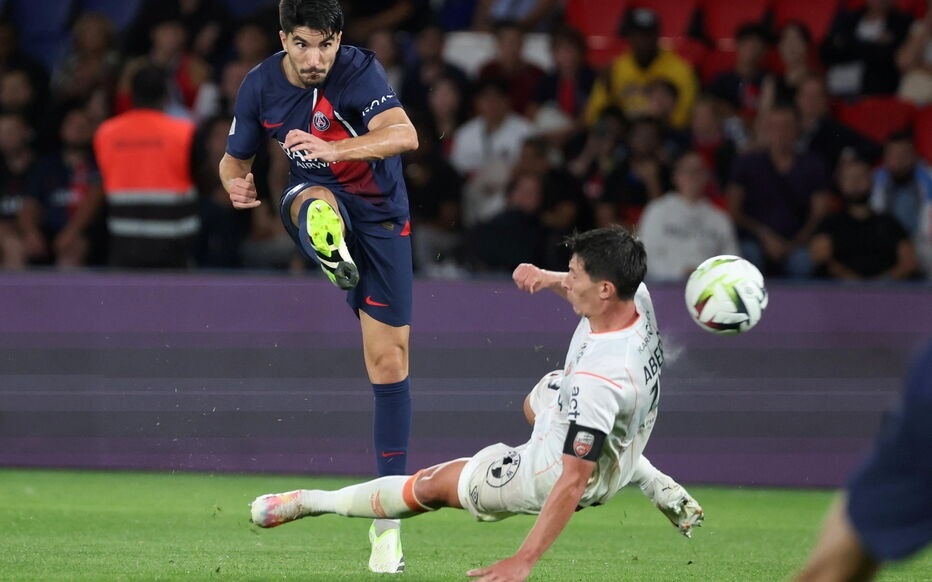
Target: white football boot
{"x":386,"y":556}
{"x":675,"y":502}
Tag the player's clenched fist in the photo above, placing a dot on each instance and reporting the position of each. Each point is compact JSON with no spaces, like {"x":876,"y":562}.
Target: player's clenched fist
{"x":243,"y":192}
{"x":529,"y":277}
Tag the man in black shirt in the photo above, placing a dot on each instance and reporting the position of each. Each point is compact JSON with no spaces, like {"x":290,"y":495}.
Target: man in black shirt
{"x":858,"y":243}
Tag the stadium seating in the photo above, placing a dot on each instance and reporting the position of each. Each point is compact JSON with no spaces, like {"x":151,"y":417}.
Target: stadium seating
{"x":923,"y":133}
{"x":817,"y":15}
{"x":877,"y":117}
{"x":595,"y":17}
{"x":692,"y":50}
{"x":599,"y":21}
{"x":723,"y":17}
{"x":715,"y":62}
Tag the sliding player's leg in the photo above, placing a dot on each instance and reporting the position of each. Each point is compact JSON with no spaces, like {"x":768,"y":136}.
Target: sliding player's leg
{"x":311,"y":215}
{"x":395,"y":497}
{"x":668,"y":496}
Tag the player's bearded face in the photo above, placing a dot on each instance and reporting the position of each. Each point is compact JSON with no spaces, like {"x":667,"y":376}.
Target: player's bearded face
{"x":309,"y":55}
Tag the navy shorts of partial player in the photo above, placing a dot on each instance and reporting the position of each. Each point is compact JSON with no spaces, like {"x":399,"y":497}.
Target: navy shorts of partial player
{"x":371,"y":194}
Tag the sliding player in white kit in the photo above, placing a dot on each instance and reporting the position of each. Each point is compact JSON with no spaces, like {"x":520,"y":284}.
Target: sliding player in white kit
{"x":591,"y":422}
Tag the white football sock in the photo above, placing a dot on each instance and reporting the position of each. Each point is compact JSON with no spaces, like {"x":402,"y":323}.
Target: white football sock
{"x":645,"y":476}
{"x":385,"y":497}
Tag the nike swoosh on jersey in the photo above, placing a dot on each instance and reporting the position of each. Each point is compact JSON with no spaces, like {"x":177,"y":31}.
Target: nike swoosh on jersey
{"x":269,"y":125}
{"x":386,"y":454}
{"x":374,"y":303}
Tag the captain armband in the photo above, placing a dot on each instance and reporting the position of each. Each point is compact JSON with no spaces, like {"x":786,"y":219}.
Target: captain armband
{"x":583,"y":442}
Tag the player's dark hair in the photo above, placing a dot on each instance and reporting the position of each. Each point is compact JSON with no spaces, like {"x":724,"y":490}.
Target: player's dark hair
{"x":611,"y":254}
{"x":323,"y":15}
{"x":149,"y":87}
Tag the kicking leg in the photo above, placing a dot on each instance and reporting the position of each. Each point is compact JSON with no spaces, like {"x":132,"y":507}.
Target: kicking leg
{"x":668,"y":496}
{"x":314,"y":220}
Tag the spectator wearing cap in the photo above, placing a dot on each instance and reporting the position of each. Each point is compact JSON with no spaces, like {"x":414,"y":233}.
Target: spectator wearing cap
{"x":626,"y":81}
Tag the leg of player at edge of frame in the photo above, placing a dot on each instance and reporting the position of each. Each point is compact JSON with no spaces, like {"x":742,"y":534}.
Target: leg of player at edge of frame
{"x":385,"y":348}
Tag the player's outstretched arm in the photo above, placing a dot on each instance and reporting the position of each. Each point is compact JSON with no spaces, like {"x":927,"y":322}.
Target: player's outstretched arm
{"x":532,"y":279}
{"x":390,"y":133}
{"x":554,"y":515}
{"x":237,"y":179}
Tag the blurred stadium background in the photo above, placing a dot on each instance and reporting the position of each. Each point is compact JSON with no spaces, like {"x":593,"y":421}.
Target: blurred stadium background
{"x":220,"y":367}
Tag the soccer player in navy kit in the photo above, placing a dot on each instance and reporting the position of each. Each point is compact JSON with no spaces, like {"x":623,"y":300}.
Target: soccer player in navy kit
{"x":885,"y":514}
{"x":342,"y":127}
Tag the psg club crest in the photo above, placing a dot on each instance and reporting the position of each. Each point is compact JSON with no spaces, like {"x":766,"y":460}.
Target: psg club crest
{"x":583,"y":442}
{"x":321,"y":123}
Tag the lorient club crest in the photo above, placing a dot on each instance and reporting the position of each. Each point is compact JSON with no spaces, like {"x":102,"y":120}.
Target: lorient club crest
{"x":321,"y":123}
{"x":503,"y":470}
{"x":583,"y":442}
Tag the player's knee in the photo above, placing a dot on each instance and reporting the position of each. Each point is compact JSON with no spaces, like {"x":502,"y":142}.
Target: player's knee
{"x":389,"y":364}
{"x":434,"y":490}
{"x":312,"y":193}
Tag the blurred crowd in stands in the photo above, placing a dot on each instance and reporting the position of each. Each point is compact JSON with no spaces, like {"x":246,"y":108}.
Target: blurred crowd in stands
{"x":795,"y":134}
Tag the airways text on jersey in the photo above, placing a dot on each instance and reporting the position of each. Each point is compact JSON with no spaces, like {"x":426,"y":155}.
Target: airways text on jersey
{"x":299,"y":157}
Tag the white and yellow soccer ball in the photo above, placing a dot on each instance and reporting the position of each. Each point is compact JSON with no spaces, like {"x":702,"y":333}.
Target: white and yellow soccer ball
{"x":726,"y":295}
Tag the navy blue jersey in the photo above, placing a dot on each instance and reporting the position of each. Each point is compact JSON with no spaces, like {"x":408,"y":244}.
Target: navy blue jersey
{"x":355,"y":91}
{"x":890,"y":496}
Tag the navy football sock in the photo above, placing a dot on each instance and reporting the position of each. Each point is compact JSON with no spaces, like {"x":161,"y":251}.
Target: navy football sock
{"x":392,"y":426}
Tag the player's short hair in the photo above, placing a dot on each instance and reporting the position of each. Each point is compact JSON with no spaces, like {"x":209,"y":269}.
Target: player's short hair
{"x":323,"y":15}
{"x":611,"y":254}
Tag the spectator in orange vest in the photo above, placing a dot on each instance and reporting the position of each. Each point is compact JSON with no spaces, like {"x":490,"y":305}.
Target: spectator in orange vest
{"x":145,"y":161}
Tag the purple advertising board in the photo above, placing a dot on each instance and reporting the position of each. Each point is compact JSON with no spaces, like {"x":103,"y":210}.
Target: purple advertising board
{"x":238,"y":373}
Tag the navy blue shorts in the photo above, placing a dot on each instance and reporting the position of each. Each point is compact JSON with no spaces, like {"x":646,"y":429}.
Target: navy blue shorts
{"x":382,"y":252}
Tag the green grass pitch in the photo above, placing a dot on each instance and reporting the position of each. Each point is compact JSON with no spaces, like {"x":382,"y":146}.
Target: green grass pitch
{"x":73,"y":525}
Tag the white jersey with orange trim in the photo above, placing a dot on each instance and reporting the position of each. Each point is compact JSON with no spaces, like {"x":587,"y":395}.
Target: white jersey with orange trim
{"x":611,"y":383}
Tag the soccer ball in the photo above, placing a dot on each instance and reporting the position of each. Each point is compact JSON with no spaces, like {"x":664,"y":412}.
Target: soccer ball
{"x":726,"y":295}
